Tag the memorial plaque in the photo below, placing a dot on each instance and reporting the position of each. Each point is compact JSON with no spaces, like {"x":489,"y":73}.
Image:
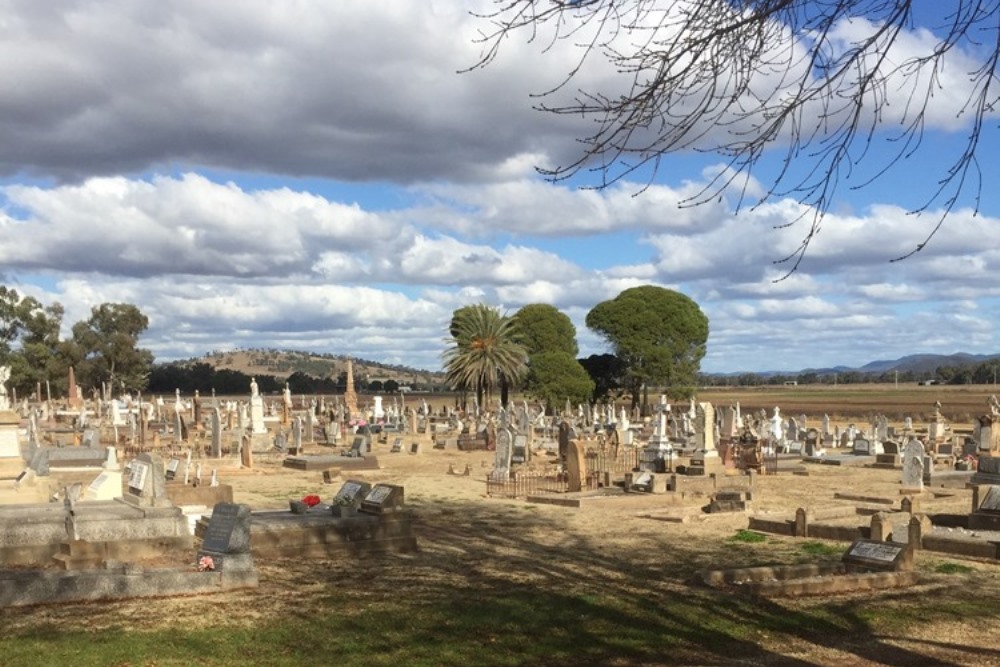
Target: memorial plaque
{"x":991,"y":503}
{"x":989,"y":465}
{"x":98,"y":482}
{"x":873,"y":555}
{"x":353,"y":492}
{"x":383,"y":498}
{"x":221,"y":528}
{"x":227,"y":539}
{"x":137,"y":475}
{"x":172,"y":466}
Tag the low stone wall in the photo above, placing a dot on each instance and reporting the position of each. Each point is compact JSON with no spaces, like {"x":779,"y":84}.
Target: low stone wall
{"x":919,"y":533}
{"x":959,"y":547}
{"x":837,"y":533}
{"x":32,"y":535}
{"x":774,"y":526}
{"x":799,"y":580}
{"x":19,"y":588}
{"x":284,"y":535}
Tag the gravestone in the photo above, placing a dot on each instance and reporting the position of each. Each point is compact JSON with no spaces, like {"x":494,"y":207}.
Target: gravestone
{"x":502,"y":458}
{"x":576,"y":465}
{"x":520,"y":453}
{"x":812,"y":444}
{"x":383,"y":499}
{"x":106,"y":486}
{"x":172,"y":466}
{"x":352,"y":493}
{"x":216,"y":434}
{"x":862,"y":447}
{"x":869,"y":555}
{"x":913,"y":466}
{"x":564,"y":433}
{"x":227,"y":538}
{"x":397,"y":446}
{"x":9,"y":424}
{"x":147,"y":482}
{"x":357,"y":447}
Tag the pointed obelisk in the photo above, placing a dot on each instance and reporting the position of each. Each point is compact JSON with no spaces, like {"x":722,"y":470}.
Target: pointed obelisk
{"x":350,"y":397}
{"x":74,"y":394}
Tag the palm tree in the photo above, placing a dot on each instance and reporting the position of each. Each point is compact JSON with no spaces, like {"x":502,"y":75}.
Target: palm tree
{"x":483,"y":353}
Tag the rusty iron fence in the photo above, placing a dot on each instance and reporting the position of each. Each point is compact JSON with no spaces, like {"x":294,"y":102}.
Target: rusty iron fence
{"x":526,"y":483}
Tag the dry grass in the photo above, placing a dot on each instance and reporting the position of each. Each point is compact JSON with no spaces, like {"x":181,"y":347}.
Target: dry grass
{"x":505,"y":582}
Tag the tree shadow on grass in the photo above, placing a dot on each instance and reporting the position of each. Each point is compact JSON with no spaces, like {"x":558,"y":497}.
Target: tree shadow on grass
{"x":579,"y":598}
{"x":495,"y":584}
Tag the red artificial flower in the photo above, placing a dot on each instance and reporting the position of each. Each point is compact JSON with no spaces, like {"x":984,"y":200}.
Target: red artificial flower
{"x":311,"y":501}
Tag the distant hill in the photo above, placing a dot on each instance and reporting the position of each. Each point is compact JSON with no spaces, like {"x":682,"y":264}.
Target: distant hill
{"x":915,"y":363}
{"x":282,"y":363}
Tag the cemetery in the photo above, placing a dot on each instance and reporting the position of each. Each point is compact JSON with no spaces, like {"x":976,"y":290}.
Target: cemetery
{"x":231,"y":498}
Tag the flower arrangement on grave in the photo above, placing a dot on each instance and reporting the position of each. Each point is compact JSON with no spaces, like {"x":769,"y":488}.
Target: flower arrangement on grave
{"x":206,"y":564}
{"x":971,"y":461}
{"x":311,"y":500}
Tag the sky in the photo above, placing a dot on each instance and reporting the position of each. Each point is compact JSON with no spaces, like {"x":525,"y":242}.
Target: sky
{"x":326,"y":176}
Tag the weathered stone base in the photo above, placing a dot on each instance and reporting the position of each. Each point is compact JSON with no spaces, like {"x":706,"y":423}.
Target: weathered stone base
{"x":20,"y":588}
{"x":317,"y":534}
{"x":331,"y":461}
{"x":32,"y":535}
{"x":799,"y":580}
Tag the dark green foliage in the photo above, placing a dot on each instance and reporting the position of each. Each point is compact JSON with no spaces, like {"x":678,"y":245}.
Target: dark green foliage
{"x":542,"y":328}
{"x":557,"y":377}
{"x":659,"y":334}
{"x":108,"y":345}
{"x":609,"y":374}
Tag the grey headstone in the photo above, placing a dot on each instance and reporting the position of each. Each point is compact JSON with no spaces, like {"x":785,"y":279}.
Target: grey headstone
{"x":227,"y":538}
{"x":913,"y":465}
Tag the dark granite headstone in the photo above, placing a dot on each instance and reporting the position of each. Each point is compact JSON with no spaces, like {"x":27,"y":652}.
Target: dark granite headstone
{"x":227,"y":539}
{"x":353,"y":491}
{"x":383,"y":498}
{"x":862,"y":447}
{"x":991,"y":503}
{"x":880,"y":556}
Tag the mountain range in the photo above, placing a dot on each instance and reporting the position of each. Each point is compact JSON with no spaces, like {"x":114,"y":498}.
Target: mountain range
{"x":914,"y":363}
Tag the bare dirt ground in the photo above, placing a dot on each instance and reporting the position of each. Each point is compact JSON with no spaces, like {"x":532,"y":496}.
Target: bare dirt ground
{"x":470,"y":541}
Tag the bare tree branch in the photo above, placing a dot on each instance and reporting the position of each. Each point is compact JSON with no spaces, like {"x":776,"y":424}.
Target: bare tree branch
{"x":820,"y":80}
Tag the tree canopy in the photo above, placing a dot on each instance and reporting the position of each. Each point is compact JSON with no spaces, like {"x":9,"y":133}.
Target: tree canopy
{"x":543,"y":328}
{"x":557,"y":377}
{"x":109,"y":343}
{"x":549,"y":339}
{"x":821,"y":83}
{"x":659,"y":334}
